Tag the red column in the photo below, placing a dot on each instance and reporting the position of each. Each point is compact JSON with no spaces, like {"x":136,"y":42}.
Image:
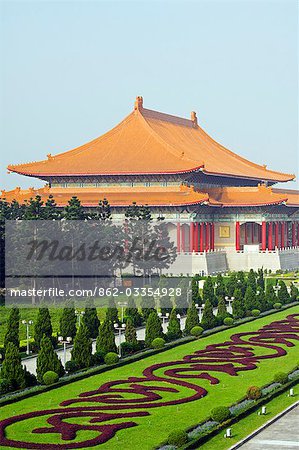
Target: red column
{"x":201,"y":237}
{"x":183,"y":239}
{"x":196,"y":237}
{"x":212,"y":236}
{"x":293,"y":235}
{"x":207,"y":236}
{"x":237,"y":236}
{"x":287,"y":234}
{"x":245,"y":234}
{"x":277,"y":234}
{"x":178,"y":237}
{"x":270,"y":236}
{"x":264,"y":230}
{"x":282,"y":232}
{"x":252,"y":232}
{"x":191,"y":237}
{"x":259,"y":229}
{"x":298,"y":234}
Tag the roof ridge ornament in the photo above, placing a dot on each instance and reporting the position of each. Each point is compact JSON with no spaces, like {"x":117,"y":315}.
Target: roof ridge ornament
{"x":194,"y":119}
{"x":264,"y":187}
{"x":138,"y":103}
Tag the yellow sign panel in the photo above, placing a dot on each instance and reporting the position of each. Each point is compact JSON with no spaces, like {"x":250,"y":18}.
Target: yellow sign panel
{"x":224,"y":232}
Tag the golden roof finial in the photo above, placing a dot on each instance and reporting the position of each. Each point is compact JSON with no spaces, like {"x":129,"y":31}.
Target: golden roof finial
{"x":194,"y":118}
{"x":138,"y":103}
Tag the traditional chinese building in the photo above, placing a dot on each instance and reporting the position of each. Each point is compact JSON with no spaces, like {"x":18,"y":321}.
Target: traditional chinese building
{"x":223,"y":210}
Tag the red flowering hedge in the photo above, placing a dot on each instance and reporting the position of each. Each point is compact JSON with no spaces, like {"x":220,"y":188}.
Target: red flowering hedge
{"x":150,"y":389}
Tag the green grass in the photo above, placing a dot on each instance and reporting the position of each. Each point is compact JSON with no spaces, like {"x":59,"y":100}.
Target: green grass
{"x":155,"y":428}
{"x":250,"y":423}
{"x":31,"y":314}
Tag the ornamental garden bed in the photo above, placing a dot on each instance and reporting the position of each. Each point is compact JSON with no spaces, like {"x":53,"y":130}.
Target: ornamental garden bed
{"x":84,"y":373}
{"x":146,"y":400}
{"x":209,"y":428}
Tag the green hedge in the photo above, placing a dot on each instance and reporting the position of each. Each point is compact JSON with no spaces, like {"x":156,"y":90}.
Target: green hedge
{"x":197,"y":442}
{"x":22,"y":394}
{"x":50,"y":377}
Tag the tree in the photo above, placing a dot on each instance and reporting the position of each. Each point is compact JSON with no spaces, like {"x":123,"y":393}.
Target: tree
{"x":181,"y":300}
{"x":251,"y":280}
{"x":194,"y":289}
{"x":238,"y":305}
{"x":74,"y":210}
{"x":208,"y":292}
{"x":250,"y":300}
{"x":174,"y":326}
{"x":91,"y":320}
{"x":208,"y":319}
{"x":153,"y":328}
{"x":221,"y":310}
{"x":165,"y":300}
{"x":270,"y":294}
{"x":4,"y":214}
{"x":68,"y":321}
{"x":147,"y":306}
{"x":260,"y":279}
{"x":294,"y":293}
{"x":196,"y":298}
{"x":192,"y":319}
{"x":12,"y":369}
{"x":165,"y":245}
{"x":112,"y":311}
{"x":130,"y":333}
{"x":33,"y":208}
{"x":43,"y":326}
{"x":103,"y":211}
{"x":139,"y":235}
{"x":283,"y":294}
{"x":47,"y":359}
{"x":50,"y":210}
{"x":132,"y":312}
{"x":241,"y":281}
{"x":106,"y":339}
{"x":262,"y":303}
{"x":220,"y":290}
{"x":12,"y":331}
{"x":231,"y":285}
{"x":82,"y":349}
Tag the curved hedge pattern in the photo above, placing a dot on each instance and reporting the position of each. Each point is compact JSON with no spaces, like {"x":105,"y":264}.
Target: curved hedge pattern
{"x":149,"y":390}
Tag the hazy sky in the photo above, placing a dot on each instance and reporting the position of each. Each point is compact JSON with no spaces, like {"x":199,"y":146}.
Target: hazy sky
{"x":71,"y":70}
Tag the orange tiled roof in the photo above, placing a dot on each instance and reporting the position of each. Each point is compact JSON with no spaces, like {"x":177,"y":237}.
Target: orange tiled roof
{"x":245,"y":196}
{"x":150,"y":142}
{"x":162,"y":196}
{"x":174,"y":196}
{"x":291,"y":194}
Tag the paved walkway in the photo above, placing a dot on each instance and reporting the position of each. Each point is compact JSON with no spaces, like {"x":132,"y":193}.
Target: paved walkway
{"x":282,"y":434}
{"x":30,"y":362}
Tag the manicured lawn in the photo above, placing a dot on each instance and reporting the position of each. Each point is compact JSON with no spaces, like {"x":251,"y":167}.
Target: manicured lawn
{"x":31,"y":314}
{"x":250,"y":423}
{"x":156,"y":426}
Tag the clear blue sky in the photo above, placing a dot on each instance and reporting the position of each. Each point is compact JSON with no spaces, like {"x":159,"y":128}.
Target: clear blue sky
{"x":71,"y":70}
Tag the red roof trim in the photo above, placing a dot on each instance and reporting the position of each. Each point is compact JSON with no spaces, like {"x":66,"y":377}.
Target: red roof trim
{"x":106,"y":173}
{"x":226,"y":205}
{"x":144,"y":204}
{"x":246,"y":177}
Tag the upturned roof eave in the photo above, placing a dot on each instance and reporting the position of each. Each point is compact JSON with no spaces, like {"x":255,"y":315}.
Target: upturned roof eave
{"x":47,"y":174}
{"x":289,"y":177}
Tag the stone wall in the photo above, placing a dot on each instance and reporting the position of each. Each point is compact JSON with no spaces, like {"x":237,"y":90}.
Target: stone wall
{"x":230,"y":260}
